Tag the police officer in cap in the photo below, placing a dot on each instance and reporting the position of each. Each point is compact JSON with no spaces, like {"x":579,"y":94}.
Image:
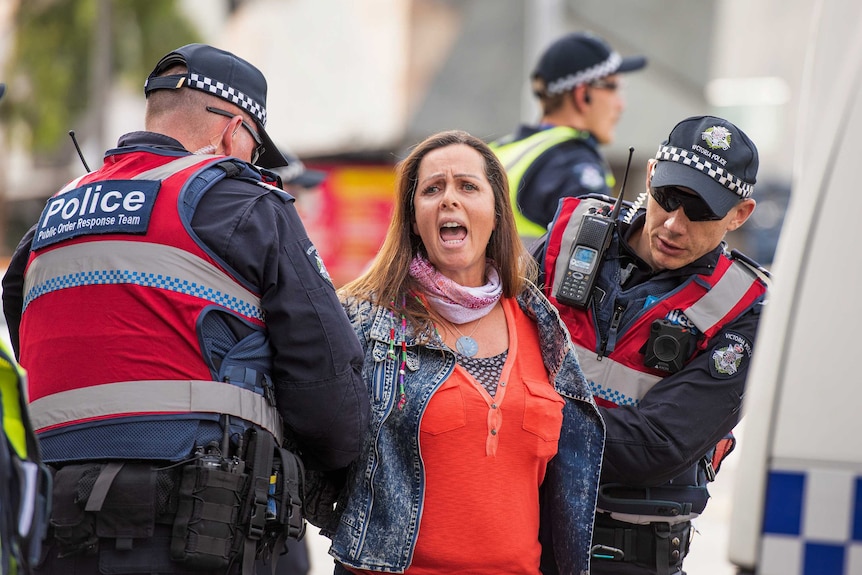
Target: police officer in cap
{"x":181,"y":333}
{"x":578,"y":82}
{"x":664,"y":337}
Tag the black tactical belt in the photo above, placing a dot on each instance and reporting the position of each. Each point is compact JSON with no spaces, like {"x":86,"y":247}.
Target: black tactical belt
{"x":656,"y":545}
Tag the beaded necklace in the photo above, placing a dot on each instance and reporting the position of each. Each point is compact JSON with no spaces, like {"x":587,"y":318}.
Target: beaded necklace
{"x":402,"y":396}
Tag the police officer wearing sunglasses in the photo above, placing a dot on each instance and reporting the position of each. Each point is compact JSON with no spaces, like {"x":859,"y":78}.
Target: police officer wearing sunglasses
{"x":665,"y":338}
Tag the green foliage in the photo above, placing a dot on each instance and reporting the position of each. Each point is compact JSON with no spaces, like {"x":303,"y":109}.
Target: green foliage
{"x":50,"y":69}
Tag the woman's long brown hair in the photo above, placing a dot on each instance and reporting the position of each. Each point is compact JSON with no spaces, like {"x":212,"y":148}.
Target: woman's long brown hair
{"x":387,"y":281}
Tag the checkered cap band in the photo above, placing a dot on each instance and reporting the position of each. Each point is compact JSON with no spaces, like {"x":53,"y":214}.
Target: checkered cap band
{"x":717,"y":173}
{"x":229,"y":93}
{"x":600,"y":70}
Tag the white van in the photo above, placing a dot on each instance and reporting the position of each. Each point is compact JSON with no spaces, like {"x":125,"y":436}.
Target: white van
{"x":797,"y":505}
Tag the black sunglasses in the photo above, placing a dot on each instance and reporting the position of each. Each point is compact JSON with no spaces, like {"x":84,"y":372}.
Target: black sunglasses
{"x":696,"y":210}
{"x":259,"y":148}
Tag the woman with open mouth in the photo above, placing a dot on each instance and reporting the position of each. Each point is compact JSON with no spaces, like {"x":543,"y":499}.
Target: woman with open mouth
{"x":484,"y":448}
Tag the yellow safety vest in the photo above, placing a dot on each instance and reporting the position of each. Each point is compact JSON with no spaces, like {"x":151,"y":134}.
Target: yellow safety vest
{"x":11,"y":390}
{"x":26,"y":483}
{"x":517,"y":156}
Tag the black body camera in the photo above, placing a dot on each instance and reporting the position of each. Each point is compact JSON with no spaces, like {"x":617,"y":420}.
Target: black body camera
{"x":669,"y":346}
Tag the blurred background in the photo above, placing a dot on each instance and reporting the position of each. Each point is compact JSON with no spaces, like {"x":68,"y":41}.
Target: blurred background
{"x":354,"y":83}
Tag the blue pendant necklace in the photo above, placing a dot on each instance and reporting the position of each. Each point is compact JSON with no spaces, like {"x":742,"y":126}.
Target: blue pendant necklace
{"x":466,"y":345}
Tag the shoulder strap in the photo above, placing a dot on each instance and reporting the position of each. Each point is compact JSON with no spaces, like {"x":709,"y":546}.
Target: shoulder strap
{"x":204,"y":180}
{"x":512,"y":152}
{"x":755,"y":267}
{"x":734,"y":292}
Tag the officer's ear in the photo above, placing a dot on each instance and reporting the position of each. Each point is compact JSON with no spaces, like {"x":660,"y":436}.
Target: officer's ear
{"x":650,"y":170}
{"x":226,"y":138}
{"x":740,"y":213}
{"x":581,"y":97}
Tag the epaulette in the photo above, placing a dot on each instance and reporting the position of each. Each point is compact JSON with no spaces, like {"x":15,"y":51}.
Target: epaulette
{"x":752,"y":265}
{"x":278,"y":191}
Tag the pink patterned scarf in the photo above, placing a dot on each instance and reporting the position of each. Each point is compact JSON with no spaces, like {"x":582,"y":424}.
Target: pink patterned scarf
{"x":456,"y":303}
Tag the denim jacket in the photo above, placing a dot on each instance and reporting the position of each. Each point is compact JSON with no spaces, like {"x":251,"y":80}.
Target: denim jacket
{"x":375,"y":522}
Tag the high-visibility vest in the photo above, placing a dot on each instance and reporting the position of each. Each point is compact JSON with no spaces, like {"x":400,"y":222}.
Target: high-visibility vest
{"x":113,"y":320}
{"x":709,"y":302}
{"x":25,"y":483}
{"x":617,"y":375}
{"x":518,"y":155}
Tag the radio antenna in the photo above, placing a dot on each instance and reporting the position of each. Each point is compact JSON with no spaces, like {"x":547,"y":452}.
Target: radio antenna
{"x":86,"y":167}
{"x":619,"y":201}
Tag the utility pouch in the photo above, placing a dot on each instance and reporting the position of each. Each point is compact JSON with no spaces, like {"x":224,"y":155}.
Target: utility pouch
{"x":74,"y":529}
{"x":205,"y":530}
{"x":284,"y":516}
{"x":127,"y":508}
{"x":273,"y":505}
{"x":287,"y":488}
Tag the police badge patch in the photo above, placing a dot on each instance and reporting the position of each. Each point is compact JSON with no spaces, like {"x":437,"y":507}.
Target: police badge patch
{"x":317,"y":262}
{"x":590,"y":176}
{"x":717,"y":137}
{"x":729,"y":356}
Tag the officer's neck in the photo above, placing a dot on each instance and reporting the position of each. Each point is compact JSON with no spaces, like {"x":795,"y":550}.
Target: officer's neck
{"x":566,"y":116}
{"x":638,"y":242}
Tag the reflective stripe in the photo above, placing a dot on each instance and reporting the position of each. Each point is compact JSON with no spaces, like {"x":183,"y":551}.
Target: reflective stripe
{"x":167,"y":170}
{"x":160,"y":396}
{"x":73,"y":184}
{"x":519,"y":155}
{"x":629,"y":385}
{"x":722,"y":298}
{"x":139,"y":263}
{"x":512,"y":153}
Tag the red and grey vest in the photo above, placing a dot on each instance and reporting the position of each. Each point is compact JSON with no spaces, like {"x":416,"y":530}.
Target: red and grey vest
{"x":708,"y":302}
{"x":613,"y":363}
{"x":115,"y":295}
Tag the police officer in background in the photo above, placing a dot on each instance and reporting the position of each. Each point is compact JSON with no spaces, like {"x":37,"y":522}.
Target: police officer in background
{"x":578,"y":84}
{"x":179,"y":327}
{"x":665,"y":337}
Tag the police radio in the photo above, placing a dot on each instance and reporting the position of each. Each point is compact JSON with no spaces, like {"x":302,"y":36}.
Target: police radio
{"x":594,"y":237}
